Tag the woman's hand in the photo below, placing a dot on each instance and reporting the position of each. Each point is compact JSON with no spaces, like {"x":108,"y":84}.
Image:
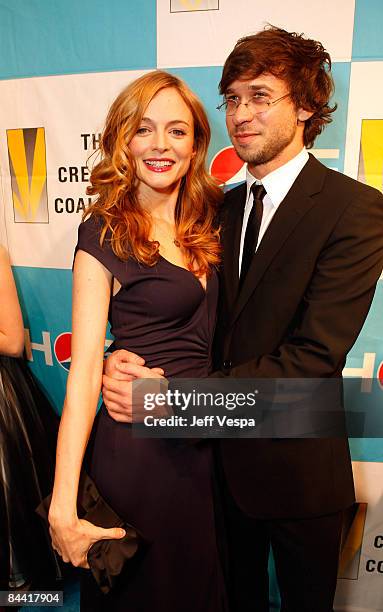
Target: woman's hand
{"x":72,"y":540}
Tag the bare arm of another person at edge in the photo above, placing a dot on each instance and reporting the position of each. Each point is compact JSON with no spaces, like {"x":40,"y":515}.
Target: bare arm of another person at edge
{"x":11,"y":321}
{"x":72,"y":537}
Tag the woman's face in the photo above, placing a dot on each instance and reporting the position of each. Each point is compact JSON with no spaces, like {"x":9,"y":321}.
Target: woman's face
{"x":164,"y":143}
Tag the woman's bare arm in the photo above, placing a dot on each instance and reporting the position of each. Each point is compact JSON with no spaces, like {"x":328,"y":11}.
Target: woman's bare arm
{"x":91,"y":294}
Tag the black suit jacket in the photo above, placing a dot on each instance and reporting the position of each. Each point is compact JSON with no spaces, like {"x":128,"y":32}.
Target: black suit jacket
{"x":300,"y":310}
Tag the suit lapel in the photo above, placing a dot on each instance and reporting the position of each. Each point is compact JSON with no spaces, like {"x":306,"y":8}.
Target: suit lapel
{"x":296,"y":204}
{"x":231,"y":228}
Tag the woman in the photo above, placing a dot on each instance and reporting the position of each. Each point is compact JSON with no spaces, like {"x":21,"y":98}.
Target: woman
{"x":27,"y":441}
{"x":147,"y":254}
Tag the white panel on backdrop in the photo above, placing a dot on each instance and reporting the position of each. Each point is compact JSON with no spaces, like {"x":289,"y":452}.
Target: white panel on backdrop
{"x":366,"y":593}
{"x":67,"y":111}
{"x":205,"y":38}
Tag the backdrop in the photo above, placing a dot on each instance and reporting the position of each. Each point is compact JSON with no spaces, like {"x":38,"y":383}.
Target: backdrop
{"x":63,"y":62}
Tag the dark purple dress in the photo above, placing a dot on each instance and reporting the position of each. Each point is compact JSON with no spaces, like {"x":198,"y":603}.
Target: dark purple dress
{"x":161,"y":486}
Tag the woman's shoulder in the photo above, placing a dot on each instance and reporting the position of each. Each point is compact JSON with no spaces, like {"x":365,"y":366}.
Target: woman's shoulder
{"x":89,"y":240}
{"x":91,"y":226}
{"x":89,"y":234}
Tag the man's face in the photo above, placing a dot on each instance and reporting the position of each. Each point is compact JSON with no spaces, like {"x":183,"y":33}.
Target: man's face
{"x":268,"y":139}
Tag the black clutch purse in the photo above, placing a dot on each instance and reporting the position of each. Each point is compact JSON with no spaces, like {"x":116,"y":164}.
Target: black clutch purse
{"x":106,"y":558}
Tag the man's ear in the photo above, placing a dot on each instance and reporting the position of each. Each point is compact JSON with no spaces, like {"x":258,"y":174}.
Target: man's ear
{"x":303,"y":114}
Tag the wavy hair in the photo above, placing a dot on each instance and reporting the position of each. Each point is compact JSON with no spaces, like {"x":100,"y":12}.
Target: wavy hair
{"x":114,"y":180}
{"x":303,"y":63}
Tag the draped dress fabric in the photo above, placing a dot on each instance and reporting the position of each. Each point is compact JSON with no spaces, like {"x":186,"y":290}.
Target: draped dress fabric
{"x":161,"y":486}
{"x":28,"y":428}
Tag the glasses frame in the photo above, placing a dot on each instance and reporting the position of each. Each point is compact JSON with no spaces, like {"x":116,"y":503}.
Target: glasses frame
{"x":269,"y":103}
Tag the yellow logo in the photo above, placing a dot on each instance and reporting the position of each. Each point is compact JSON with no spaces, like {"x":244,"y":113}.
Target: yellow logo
{"x":27,"y":164}
{"x":179,"y":6}
{"x":191,"y":5}
{"x":370,"y":169}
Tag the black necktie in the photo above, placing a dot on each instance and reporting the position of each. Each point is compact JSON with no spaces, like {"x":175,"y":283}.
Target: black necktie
{"x":252,"y":229}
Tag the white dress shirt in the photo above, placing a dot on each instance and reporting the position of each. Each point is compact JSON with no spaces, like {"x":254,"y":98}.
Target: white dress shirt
{"x":277,"y":185}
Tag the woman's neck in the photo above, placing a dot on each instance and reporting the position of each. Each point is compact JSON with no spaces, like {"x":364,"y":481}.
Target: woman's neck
{"x":160,"y":205}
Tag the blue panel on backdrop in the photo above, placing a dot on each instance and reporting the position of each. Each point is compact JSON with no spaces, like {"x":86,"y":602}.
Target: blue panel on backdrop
{"x":43,"y":38}
{"x":46,"y":301}
{"x":71,"y":600}
{"x":368,"y":449}
{"x":334,"y":135}
{"x":45,"y":296}
{"x":371,"y":337}
{"x":368,"y":41}
{"x":367,"y":356}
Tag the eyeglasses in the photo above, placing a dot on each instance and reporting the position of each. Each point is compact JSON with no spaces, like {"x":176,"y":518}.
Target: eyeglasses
{"x":256,"y":104}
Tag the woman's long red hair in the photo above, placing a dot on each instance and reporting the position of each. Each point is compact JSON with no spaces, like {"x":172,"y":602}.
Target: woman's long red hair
{"x":114,"y":181}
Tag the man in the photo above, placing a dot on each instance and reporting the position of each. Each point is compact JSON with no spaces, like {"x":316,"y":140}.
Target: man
{"x":302,"y":252}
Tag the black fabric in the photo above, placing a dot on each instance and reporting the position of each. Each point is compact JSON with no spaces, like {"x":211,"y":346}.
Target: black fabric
{"x":28,"y":429}
{"x":162,"y":487}
{"x":306,"y":553}
{"x":297,"y":314}
{"x":161,"y":312}
{"x":252,"y":228}
{"x":107,"y":558}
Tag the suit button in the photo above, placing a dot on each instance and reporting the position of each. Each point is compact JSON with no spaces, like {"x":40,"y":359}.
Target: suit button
{"x":227,"y":364}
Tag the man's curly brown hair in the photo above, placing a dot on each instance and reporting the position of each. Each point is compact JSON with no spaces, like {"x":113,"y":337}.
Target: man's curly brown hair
{"x":302,"y":63}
